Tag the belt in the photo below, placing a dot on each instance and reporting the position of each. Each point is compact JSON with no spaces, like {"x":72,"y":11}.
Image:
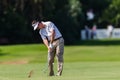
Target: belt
{"x":57,"y":38}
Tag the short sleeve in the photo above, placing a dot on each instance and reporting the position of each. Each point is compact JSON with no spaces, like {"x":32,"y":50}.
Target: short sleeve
{"x":51,"y":26}
{"x":42,"y":35}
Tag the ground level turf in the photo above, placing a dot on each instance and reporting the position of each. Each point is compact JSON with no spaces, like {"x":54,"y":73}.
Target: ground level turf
{"x":72,"y":71}
{"x":86,"y":62}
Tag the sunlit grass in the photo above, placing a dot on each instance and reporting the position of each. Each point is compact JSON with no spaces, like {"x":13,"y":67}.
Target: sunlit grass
{"x":80,"y":62}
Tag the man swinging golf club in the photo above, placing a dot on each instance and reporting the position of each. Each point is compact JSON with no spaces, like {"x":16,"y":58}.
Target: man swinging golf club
{"x":54,"y":41}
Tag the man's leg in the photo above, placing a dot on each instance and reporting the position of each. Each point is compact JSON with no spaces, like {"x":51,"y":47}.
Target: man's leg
{"x":59,"y":53}
{"x":51,"y":56}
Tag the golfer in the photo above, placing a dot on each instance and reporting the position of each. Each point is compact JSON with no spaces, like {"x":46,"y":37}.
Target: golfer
{"x":54,"y":41}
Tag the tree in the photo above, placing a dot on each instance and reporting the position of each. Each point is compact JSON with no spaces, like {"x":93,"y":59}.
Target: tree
{"x":112,"y":13}
{"x":15,"y":21}
{"x":68,"y":15}
{"x":98,"y":7}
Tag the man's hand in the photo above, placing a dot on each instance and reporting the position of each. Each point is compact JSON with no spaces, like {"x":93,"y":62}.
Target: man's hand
{"x":50,"y":47}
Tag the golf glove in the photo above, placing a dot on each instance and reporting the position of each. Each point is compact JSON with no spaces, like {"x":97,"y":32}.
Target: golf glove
{"x":50,"y":45}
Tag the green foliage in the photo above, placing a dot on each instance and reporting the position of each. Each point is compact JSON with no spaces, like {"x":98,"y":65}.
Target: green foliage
{"x":112,"y":13}
{"x":14,"y":27}
{"x":75,"y":8}
{"x":98,"y":7}
{"x":68,"y":15}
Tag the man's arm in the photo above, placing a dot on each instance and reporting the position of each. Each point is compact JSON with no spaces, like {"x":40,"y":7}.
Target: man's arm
{"x":52,"y":36}
{"x":47,"y":44}
{"x":45,"y":41}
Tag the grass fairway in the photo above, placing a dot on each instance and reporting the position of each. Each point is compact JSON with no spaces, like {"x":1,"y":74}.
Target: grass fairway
{"x":81,"y":62}
{"x":72,"y":71}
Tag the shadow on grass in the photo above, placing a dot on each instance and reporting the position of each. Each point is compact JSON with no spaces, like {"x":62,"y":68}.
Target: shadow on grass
{"x":2,"y":54}
{"x":98,"y":42}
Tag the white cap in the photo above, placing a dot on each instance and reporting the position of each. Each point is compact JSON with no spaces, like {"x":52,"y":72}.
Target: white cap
{"x":35,"y":25}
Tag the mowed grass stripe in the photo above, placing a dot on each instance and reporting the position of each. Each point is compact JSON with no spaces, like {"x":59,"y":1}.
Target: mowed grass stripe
{"x":72,"y":71}
{"x":81,"y":62}
{"x":38,"y":53}
{"x":92,"y":53}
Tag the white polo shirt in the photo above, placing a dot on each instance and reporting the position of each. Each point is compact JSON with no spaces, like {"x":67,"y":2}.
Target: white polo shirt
{"x":46,"y":32}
